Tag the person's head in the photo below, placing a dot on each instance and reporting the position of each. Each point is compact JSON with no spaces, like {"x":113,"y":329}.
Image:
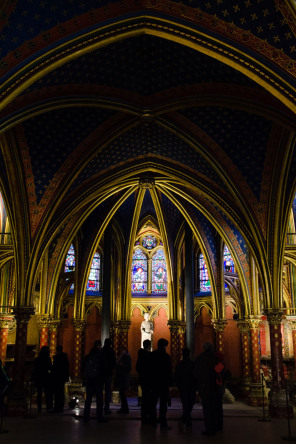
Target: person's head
{"x":146,"y":344}
{"x":162,"y":344}
{"x":186,"y":353}
{"x":146,"y":316}
{"x":44,"y":351}
{"x":208,"y":347}
{"x":59,"y":349}
{"x":107,"y":343}
{"x":123,"y":350}
{"x":97,"y":344}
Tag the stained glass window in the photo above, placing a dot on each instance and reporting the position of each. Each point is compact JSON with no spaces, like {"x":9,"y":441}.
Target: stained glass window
{"x":228,"y":261}
{"x":204,"y":280}
{"x":159,"y":272}
{"x":70,"y":260}
{"x":93,"y":283}
{"x":139,"y":272}
{"x":149,"y":242}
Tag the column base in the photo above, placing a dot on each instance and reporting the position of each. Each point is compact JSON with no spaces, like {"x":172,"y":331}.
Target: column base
{"x":255,"y":396}
{"x":278,"y":407}
{"x":74,"y":389}
{"x":244,"y":387}
{"x":17,"y":404}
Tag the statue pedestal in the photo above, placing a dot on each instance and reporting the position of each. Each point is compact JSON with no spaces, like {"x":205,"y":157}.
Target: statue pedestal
{"x":255,"y":396}
{"x":278,"y":404}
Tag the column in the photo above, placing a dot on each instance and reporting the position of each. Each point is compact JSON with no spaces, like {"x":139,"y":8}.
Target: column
{"x":5,"y":321}
{"x":278,"y":406}
{"x":107,"y":284}
{"x":114,"y":335}
{"x":177,"y":329}
{"x":123,"y":328}
{"x":293,"y":326}
{"x":244,"y":328}
{"x":22,"y":316}
{"x":44,"y":324}
{"x":189,"y":290}
{"x":255,"y":394}
{"x":79,"y":326}
{"x":54,"y":325}
{"x":219,"y":326}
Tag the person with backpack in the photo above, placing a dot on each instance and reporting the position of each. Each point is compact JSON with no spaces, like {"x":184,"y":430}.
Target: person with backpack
{"x":60,"y":375}
{"x":208,"y":389}
{"x":109,"y":357}
{"x":42,"y":378}
{"x":93,"y":377}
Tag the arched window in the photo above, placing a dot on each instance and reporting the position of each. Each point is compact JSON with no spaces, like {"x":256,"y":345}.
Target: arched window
{"x":139,"y":272}
{"x":159,"y":272}
{"x":93,"y":283}
{"x":204,"y":280}
{"x":228,"y":261}
{"x":70,"y":260}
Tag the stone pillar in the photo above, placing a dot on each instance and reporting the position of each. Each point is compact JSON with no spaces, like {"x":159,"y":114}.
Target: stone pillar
{"x":114,"y":335}
{"x":22,"y":316}
{"x":44,"y":324}
{"x":177,"y":329}
{"x":5,"y":321}
{"x":54,"y":325}
{"x":244,"y":329}
{"x":219,"y":326}
{"x":107,"y":284}
{"x":79,"y":326}
{"x":182,"y":339}
{"x":255,"y":393}
{"x":277,"y":407}
{"x":123,"y":328}
{"x":293,"y":326}
{"x":189,"y":290}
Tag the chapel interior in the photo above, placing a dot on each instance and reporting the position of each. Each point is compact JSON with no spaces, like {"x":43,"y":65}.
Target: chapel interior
{"x":148,"y":165}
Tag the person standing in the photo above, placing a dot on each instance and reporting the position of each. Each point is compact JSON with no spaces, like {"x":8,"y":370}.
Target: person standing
{"x":144,"y":370}
{"x":42,"y":378}
{"x":185,"y":382}
{"x":60,"y":375}
{"x":109,"y":359}
{"x":161,"y":382}
{"x":123,"y":369}
{"x":206,"y":380}
{"x":93,"y":376}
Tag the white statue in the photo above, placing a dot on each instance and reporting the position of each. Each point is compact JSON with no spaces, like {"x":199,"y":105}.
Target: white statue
{"x":146,"y":330}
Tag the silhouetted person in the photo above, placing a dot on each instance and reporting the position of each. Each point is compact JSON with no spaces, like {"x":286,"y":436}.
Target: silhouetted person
{"x":60,"y":375}
{"x":109,"y":363}
{"x":123,"y":369}
{"x":42,"y":378}
{"x":144,"y":370}
{"x":4,"y":388}
{"x":184,"y":378}
{"x":207,"y":387}
{"x":93,"y":376}
{"x":161,"y":382}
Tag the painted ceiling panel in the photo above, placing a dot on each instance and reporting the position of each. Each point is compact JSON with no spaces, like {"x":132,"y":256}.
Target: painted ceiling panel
{"x":147,"y":139}
{"x":52,"y":137}
{"x":125,"y":213}
{"x":173,"y":217}
{"x":147,"y":206}
{"x":243,"y":137}
{"x":145,"y":65}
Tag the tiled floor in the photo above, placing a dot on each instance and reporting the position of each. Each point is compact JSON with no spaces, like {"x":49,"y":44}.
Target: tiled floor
{"x":241,"y":426}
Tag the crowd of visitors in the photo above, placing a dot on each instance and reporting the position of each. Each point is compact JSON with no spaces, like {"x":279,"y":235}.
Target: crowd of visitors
{"x":204,"y":375}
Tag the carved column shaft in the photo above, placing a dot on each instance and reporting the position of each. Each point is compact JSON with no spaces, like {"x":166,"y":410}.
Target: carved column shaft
{"x":79,"y":326}
{"x":53,"y":337}
{"x":274,"y":318}
{"x":219,"y":326}
{"x":254,"y":333}
{"x":22,"y":316}
{"x":245,"y":349}
{"x":122,"y":339}
{"x":294,"y":342}
{"x":4,"y":327}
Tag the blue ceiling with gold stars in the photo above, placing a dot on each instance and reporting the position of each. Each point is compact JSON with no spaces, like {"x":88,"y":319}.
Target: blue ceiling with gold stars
{"x":53,"y":136}
{"x":243,"y":137}
{"x":144,"y":65}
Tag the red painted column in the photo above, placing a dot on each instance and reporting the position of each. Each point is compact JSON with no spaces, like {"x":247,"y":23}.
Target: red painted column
{"x":79,"y":326}
{"x":54,"y":324}
{"x":44,"y":323}
{"x":123,"y":328}
{"x":22,"y":316}
{"x":219,"y":326}
{"x":114,"y":335}
{"x":5,"y":321}
{"x":255,"y":393}
{"x":278,"y":407}
{"x":293,"y":326}
{"x":244,"y":329}
{"x":174,"y":345}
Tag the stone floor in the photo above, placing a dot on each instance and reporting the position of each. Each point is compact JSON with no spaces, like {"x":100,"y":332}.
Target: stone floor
{"x":241,"y":425}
